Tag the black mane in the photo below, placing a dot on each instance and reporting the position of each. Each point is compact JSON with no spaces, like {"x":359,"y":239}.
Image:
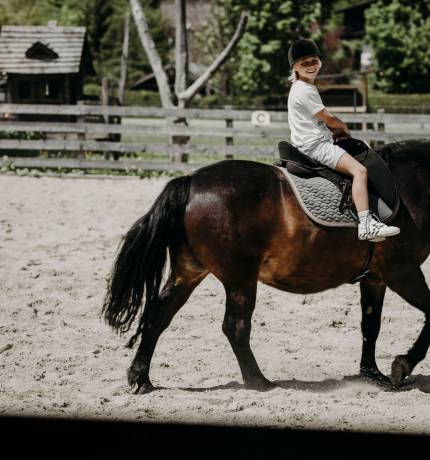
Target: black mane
{"x":416,"y":149}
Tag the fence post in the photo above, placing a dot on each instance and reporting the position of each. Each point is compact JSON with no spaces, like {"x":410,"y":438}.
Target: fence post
{"x":364,"y":123}
{"x":178,"y":141}
{"x":80,"y":136}
{"x":381,"y":126}
{"x":229,"y":140}
{"x":106,"y":101}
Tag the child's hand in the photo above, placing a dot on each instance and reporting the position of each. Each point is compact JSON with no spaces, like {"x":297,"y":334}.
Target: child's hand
{"x":339,"y":134}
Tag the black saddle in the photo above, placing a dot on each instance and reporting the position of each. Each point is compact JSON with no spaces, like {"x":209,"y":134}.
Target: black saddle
{"x":381,"y":181}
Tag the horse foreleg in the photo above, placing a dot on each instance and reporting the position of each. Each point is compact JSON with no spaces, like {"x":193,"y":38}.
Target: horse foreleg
{"x":409,"y":282}
{"x":372,"y":299}
{"x":240,"y":305}
{"x":173,"y":296}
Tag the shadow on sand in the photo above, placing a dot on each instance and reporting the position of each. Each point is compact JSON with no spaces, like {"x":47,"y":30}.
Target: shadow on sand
{"x":415,"y":382}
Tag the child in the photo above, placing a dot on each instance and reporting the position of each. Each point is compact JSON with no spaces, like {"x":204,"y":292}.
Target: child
{"x":311,"y":125}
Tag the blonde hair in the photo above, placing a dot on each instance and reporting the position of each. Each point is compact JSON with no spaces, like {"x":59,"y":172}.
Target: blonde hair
{"x":294,"y":76}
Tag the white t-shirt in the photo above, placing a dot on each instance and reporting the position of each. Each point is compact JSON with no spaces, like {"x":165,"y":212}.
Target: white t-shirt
{"x":304,"y":102}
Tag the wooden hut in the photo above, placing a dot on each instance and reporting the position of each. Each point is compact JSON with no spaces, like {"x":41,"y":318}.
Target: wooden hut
{"x":44,"y":64}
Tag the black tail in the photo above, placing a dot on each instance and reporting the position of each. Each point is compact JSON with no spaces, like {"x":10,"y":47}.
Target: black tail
{"x":140,"y":263}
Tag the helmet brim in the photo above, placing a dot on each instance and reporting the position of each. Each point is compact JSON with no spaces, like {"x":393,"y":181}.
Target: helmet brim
{"x":321,"y":56}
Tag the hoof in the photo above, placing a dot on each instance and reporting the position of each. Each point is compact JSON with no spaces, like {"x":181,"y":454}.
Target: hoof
{"x":260,"y":385}
{"x":144,"y":389}
{"x":139,"y":378}
{"x":375,"y":376}
{"x":400,"y":369}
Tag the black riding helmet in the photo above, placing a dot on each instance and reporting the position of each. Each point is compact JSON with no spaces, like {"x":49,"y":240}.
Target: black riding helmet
{"x":302,"y":48}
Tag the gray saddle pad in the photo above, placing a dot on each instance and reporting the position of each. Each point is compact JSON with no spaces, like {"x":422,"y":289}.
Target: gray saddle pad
{"x":320,"y":199}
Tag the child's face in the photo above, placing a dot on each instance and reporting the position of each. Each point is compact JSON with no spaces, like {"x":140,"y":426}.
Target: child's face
{"x":308,"y":68}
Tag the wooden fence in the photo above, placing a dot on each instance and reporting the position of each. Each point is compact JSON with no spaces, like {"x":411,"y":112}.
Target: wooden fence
{"x":152,"y":135}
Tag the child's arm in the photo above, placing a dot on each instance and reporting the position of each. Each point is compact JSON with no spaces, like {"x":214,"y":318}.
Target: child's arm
{"x":334,"y":123}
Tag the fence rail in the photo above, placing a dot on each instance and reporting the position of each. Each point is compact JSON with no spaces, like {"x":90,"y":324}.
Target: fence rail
{"x":209,"y":114}
{"x":120,"y":165}
{"x":131,"y":129}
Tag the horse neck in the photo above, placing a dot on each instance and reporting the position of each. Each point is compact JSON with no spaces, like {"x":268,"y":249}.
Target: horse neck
{"x":412,"y":179}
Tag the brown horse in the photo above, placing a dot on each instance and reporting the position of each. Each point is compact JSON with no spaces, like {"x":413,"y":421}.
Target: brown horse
{"x":240,"y":221}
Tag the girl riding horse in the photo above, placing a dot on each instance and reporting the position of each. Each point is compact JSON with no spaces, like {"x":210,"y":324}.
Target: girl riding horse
{"x":310,"y":123}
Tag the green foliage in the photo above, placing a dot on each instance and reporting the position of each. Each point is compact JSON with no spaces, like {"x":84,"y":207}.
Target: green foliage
{"x":399,"y":33}
{"x":92,"y":89}
{"x":411,"y":102}
{"x":28,"y":136}
{"x":104,"y":20}
{"x":21,"y":12}
{"x":260,"y":63}
{"x":105,"y":26}
{"x":162,"y":34}
{"x":137,"y":97}
{"x":145,"y":98}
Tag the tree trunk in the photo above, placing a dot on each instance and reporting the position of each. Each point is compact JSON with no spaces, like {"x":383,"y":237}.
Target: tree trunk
{"x":181,"y":80}
{"x":151,"y":51}
{"x":182,"y":93}
{"x":181,"y":68}
{"x":124,"y":59}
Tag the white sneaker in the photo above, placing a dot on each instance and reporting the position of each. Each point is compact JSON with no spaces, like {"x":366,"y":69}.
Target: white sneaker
{"x":374,"y":230}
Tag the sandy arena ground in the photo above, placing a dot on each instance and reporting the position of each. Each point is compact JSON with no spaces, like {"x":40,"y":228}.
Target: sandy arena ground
{"x":58,"y":358}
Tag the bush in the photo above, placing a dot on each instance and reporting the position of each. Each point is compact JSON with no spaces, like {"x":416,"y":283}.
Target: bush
{"x":146,"y":98}
{"x":92,"y":89}
{"x":399,"y":33}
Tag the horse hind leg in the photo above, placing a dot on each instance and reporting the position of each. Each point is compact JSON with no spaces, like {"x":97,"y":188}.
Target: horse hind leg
{"x":173,"y":296}
{"x":240,"y":303}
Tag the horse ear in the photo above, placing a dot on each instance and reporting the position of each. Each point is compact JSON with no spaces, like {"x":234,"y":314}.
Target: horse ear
{"x":418,"y":204}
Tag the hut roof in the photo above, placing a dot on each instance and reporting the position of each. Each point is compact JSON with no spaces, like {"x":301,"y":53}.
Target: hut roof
{"x":41,"y":49}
